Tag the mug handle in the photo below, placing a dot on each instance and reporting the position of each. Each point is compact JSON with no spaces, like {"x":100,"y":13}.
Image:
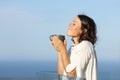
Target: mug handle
{"x":52,"y":36}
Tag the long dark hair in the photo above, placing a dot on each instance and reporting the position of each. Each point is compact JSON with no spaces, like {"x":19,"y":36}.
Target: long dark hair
{"x":88,"y":24}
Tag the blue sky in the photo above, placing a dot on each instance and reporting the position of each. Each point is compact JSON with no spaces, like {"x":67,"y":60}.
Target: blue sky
{"x":25,"y":27}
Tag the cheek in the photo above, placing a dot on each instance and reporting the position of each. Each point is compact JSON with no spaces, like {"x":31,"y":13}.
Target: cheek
{"x":73,"y":27}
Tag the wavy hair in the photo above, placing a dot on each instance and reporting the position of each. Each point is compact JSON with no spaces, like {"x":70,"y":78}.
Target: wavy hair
{"x":88,"y":24}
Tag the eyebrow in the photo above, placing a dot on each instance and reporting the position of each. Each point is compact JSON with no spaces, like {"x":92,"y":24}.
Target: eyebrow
{"x":76,"y":22}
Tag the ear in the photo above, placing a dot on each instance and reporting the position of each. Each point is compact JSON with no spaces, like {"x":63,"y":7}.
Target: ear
{"x":85,"y":30}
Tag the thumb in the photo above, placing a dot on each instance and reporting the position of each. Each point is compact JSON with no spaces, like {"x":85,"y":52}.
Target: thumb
{"x":65,"y":42}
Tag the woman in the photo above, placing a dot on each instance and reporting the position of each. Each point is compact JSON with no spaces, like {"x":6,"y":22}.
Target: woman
{"x":82,"y":62}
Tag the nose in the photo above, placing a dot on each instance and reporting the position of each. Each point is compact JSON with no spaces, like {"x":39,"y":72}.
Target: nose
{"x":70,"y":26}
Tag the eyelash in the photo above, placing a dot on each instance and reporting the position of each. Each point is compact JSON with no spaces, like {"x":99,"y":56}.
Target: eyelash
{"x":73,"y":23}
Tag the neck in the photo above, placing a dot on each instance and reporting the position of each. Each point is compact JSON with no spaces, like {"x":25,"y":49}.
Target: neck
{"x":76,"y":40}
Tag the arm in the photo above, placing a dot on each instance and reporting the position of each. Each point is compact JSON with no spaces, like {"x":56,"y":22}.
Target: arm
{"x":60,"y":65}
{"x":65,"y":61}
{"x":63,"y":58}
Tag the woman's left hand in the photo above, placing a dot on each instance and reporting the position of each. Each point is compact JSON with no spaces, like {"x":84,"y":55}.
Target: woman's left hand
{"x":58,"y":44}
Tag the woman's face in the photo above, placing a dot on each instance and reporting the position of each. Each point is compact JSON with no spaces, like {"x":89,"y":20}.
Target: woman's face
{"x":74,"y":29}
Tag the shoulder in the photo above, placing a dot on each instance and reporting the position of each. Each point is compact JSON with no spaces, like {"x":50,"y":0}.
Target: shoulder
{"x":83,"y":47}
{"x":87,"y":46}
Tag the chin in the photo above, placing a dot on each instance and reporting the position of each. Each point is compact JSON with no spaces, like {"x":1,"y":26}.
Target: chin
{"x":72,"y":35}
{"x":69,"y":34}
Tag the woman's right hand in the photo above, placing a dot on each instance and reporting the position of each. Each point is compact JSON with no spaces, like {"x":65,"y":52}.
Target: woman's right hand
{"x":58,"y":44}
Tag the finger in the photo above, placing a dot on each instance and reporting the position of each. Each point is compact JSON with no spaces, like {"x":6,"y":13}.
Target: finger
{"x":55,"y":39}
{"x":65,"y":42}
{"x":51,"y":37}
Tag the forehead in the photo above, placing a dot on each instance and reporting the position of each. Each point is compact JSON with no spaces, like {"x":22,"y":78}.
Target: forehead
{"x":77,"y":20}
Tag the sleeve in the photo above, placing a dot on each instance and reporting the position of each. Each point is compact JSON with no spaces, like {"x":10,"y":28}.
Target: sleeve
{"x":79,"y":59}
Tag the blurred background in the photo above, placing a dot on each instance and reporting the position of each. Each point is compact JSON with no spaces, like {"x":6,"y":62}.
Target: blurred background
{"x":25,"y":27}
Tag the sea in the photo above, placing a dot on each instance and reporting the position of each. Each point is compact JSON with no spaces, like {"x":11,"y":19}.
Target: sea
{"x":46,"y":70}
